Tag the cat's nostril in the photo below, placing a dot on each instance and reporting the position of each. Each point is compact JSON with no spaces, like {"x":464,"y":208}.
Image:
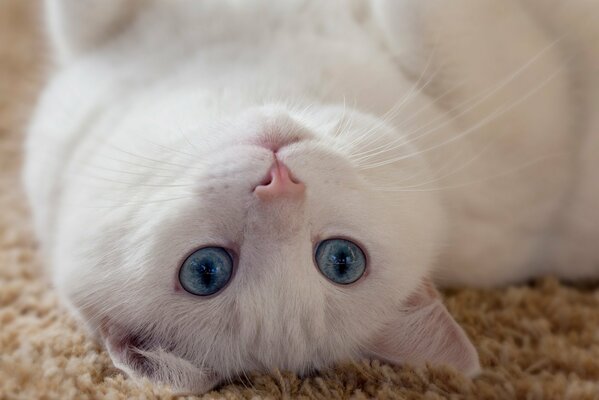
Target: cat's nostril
{"x":267,"y":180}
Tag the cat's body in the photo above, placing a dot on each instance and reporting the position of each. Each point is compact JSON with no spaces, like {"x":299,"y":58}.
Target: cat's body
{"x":521,"y":77}
{"x":460,"y":139}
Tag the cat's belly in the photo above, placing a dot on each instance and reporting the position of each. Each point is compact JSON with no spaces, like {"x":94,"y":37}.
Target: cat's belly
{"x":554,"y":232}
{"x":574,"y":250}
{"x":521,"y":219}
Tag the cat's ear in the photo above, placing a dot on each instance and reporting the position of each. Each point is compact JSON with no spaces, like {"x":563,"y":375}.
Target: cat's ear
{"x":76,"y":26}
{"x":138,"y":359}
{"x":425,"y":332}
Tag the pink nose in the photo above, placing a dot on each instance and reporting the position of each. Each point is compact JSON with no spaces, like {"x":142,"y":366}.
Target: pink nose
{"x":279,"y":183}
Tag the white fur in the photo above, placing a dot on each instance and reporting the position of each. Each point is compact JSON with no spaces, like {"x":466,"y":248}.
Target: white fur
{"x":141,"y":151}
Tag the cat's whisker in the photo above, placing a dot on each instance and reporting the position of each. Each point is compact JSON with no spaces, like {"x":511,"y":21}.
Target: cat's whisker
{"x":458,"y":110}
{"x":339,"y":124}
{"x":440,"y":177}
{"x":170,"y":149}
{"x":307,"y":110}
{"x":394,"y":110}
{"x":153,"y":160}
{"x":186,"y":138}
{"x":417,"y":176}
{"x":129,"y":204}
{"x":390,"y":114}
{"x":343,"y":119}
{"x":126,"y":172}
{"x":368,"y":153}
{"x":477,"y":181}
{"x":391,"y":111}
{"x":489,"y":118}
{"x":348,"y":119}
{"x":432,"y":103}
{"x":137,"y":184}
{"x":481,"y":97}
{"x":404,"y":139}
{"x":128,"y":162}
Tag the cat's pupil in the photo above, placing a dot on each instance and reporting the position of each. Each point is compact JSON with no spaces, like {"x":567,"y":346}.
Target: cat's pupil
{"x":206,"y":271}
{"x":342,"y":262}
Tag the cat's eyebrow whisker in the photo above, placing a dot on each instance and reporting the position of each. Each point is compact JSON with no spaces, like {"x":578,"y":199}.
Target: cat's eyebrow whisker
{"x":491,"y":117}
{"x":457,"y":111}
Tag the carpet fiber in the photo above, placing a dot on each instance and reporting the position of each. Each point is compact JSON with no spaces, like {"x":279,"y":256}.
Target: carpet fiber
{"x":538,"y":341}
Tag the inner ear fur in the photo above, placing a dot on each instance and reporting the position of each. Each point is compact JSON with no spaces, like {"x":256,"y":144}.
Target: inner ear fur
{"x":139,"y":358}
{"x":424,"y":332}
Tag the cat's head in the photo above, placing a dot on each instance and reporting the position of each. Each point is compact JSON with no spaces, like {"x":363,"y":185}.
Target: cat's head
{"x":278,"y":243}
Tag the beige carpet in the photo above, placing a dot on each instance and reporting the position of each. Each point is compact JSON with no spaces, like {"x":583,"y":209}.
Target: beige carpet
{"x":536,"y":342}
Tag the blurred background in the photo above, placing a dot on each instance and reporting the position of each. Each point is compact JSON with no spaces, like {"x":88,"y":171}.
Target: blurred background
{"x":22,"y":63}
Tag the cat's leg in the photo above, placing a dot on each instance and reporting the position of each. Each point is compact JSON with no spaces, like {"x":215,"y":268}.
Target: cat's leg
{"x":503,"y":154}
{"x":76,"y":26}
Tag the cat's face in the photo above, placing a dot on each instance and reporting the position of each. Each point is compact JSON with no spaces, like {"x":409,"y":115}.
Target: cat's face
{"x":269,"y":303}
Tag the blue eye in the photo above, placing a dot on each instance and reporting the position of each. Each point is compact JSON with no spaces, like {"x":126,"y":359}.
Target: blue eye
{"x":340,"y":260}
{"x":206,"y":271}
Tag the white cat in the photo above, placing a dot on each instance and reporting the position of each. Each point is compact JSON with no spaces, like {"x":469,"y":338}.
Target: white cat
{"x":223,"y":186}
